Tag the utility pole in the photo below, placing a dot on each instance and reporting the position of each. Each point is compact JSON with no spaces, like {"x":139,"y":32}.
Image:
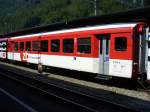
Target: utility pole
{"x":95,"y":7}
{"x":142,"y":3}
{"x":94,"y":2}
{"x":134,"y":1}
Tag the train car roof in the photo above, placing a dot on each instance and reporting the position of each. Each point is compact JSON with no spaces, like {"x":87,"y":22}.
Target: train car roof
{"x":136,"y":15}
{"x":3,"y":39}
{"x":87,"y":28}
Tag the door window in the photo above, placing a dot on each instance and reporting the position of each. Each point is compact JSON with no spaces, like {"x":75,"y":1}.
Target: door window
{"x":120,"y":43}
{"x":104,"y":43}
{"x":107,"y":46}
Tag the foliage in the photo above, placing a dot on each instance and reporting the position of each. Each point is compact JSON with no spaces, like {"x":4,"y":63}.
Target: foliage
{"x":19,"y":14}
{"x":146,"y":2}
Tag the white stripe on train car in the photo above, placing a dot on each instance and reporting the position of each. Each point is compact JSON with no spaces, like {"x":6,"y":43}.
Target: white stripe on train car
{"x":148,"y":51}
{"x":80,"y":63}
{"x":70,"y":62}
{"x":80,"y":29}
{"x":2,"y":43}
{"x":148,"y":70}
{"x":117,"y":67}
{"x":2,"y":49}
{"x":149,"y":36}
{"x":14,"y":56}
{"x":148,"y":64}
{"x":3,"y":55}
{"x":120,"y":68}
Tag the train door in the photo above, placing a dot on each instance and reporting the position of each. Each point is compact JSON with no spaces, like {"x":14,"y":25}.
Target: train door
{"x":148,"y":53}
{"x":104,"y":46}
{"x":13,"y":45}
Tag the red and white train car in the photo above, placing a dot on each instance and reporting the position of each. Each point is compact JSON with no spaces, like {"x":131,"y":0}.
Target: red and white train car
{"x":3,"y":48}
{"x":119,"y":50}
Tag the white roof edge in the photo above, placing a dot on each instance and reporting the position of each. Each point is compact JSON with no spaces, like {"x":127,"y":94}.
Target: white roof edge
{"x":88,"y":28}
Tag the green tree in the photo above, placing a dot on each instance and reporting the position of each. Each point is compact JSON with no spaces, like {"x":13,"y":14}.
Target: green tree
{"x":146,"y":2}
{"x":19,"y":14}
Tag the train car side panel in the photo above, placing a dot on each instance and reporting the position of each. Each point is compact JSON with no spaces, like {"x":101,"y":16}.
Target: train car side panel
{"x":3,"y":48}
{"x":121,"y":61}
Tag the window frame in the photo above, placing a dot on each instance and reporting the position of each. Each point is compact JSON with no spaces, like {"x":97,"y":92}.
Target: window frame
{"x":148,"y":44}
{"x":16,"y":43}
{"x":82,"y":45}
{"x":59,"y":47}
{"x":33,"y":49}
{"x":3,"y":46}
{"x":28,"y":47}
{"x":47,"y":48}
{"x":72,"y":46}
{"x":22,"y":46}
{"x":116,"y":45}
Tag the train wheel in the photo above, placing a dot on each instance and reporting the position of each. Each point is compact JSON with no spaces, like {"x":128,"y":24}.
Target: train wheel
{"x":40,"y":68}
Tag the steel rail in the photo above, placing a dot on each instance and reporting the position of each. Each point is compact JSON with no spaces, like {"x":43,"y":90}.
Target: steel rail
{"x":78,"y":99}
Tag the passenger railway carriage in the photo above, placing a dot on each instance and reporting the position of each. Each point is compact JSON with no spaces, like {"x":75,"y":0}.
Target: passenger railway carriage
{"x":3,"y":48}
{"x":119,"y":50}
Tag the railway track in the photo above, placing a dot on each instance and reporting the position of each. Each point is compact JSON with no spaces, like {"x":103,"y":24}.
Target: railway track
{"x":77,"y":100}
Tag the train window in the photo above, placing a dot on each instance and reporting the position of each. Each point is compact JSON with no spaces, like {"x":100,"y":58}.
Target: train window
{"x":84,"y":45}
{"x":44,"y":45}
{"x":28,"y":46}
{"x":101,"y":45}
{"x":120,"y":43}
{"x":148,"y":44}
{"x":55,"y":45}
{"x":21,"y":46}
{"x":2,"y":44}
{"x":107,"y":45}
{"x":35,"y":46}
{"x":16,"y":46}
{"x":68,"y":45}
{"x":104,"y":40}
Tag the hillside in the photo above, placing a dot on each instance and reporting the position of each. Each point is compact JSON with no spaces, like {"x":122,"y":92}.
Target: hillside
{"x":19,"y":14}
